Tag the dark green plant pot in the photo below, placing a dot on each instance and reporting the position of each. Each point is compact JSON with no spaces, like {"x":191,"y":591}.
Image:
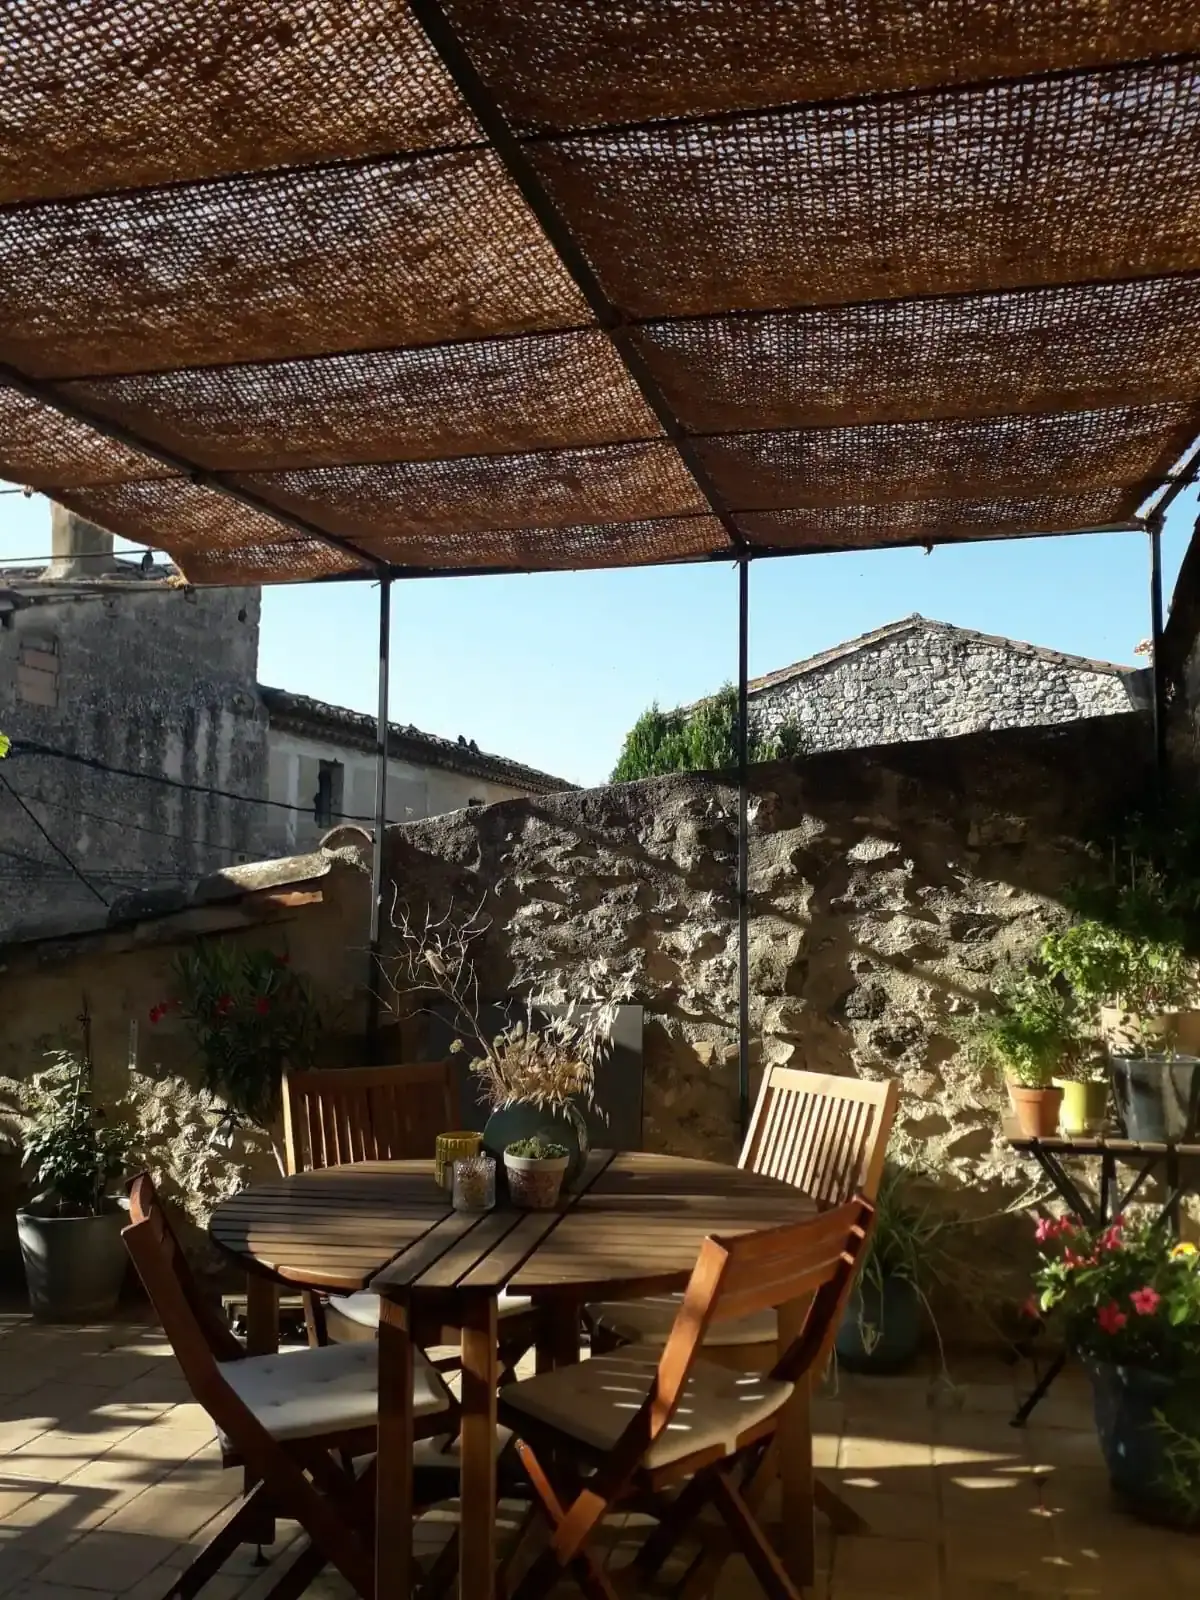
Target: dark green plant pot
{"x":1136,"y":1451}
{"x":1157,"y":1096}
{"x":527,"y":1122}
{"x":880,"y":1332}
{"x":74,"y":1266}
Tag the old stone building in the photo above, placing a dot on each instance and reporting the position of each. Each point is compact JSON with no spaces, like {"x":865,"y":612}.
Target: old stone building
{"x":919,"y":679}
{"x":146,"y":753}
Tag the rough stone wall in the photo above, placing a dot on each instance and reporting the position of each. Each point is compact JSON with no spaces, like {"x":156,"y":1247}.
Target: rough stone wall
{"x":163,"y":682}
{"x":885,"y":886}
{"x":931,"y":681}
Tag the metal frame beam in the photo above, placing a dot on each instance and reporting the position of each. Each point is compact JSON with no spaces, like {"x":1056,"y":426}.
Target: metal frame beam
{"x":382,"y":731}
{"x":1158,"y":666}
{"x":484,"y":107}
{"x":743,"y":850}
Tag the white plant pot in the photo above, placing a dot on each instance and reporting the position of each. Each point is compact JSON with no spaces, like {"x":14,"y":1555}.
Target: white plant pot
{"x":534,"y":1183}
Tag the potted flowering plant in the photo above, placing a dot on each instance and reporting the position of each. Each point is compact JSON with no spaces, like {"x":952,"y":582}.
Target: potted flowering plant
{"x":1128,"y":1299}
{"x":249,"y":1015}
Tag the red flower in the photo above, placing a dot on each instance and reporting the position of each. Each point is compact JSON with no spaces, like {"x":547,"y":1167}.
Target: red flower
{"x":1032,"y":1309}
{"x":1047,"y":1229}
{"x":1111,"y":1318}
{"x":157,"y":1013}
{"x":224,"y":1005}
{"x":262,"y":1005}
{"x":1145,"y":1301}
{"x":285,"y":961}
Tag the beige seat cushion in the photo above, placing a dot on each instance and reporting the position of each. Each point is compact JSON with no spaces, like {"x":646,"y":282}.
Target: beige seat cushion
{"x":595,"y":1400}
{"x":649,"y":1321}
{"x":305,"y":1393}
{"x":363,"y":1308}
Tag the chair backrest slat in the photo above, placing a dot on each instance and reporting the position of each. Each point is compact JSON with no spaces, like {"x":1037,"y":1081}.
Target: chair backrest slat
{"x":825,"y":1135}
{"x":346,"y":1114}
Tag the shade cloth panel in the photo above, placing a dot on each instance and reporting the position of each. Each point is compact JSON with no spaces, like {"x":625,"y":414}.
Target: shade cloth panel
{"x":894,"y":273}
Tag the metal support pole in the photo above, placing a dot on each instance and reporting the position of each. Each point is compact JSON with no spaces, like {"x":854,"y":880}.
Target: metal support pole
{"x":1158,"y":664}
{"x":743,"y":865}
{"x":381,"y":789}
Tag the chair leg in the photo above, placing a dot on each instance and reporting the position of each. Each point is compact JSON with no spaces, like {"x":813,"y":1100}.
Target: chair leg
{"x":764,"y":1563}
{"x":704,"y":1571}
{"x":549,"y":1566}
{"x":671,"y":1527}
{"x":220,"y":1547}
{"x":842,"y":1518}
{"x":315,"y":1324}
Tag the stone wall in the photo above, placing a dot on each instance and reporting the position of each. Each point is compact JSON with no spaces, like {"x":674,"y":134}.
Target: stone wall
{"x":926,"y":680}
{"x":163,"y":683}
{"x":885,"y":887}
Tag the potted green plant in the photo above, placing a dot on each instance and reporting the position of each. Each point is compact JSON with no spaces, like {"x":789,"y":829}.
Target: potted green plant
{"x":249,"y":1014}
{"x":1028,"y":1033}
{"x":535,"y":1169}
{"x":881,"y":1327}
{"x":70,"y":1232}
{"x":1138,"y":988}
{"x":1128,"y":1301}
{"x":1085,"y":1095}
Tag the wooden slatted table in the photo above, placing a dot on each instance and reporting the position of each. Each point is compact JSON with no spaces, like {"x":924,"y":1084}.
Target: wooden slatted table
{"x":634,"y":1225}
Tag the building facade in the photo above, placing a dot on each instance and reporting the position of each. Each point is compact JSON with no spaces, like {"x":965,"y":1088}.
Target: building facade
{"x":919,"y":679}
{"x":146,"y":754}
{"x":321,"y":772}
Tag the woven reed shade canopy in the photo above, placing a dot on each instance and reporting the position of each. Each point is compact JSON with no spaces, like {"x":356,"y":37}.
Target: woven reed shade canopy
{"x":321,"y":289}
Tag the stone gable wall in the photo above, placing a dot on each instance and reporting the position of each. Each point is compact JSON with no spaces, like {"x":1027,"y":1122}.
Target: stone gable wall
{"x":930,"y":682}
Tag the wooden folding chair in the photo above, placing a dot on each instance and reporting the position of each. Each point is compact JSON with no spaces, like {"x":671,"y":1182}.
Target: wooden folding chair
{"x":296,"y":1422}
{"x":645,"y":1417}
{"x":347,"y":1114}
{"x":824,"y":1135}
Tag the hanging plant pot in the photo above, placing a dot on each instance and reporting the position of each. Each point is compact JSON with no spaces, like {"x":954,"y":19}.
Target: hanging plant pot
{"x":1158,"y":1096}
{"x":1036,"y":1109}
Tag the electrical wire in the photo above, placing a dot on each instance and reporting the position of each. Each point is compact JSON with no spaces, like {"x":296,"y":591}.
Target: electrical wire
{"x":33,"y":747}
{"x":52,"y":842}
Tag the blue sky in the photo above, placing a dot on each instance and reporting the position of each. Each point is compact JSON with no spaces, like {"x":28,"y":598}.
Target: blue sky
{"x":553,"y":669}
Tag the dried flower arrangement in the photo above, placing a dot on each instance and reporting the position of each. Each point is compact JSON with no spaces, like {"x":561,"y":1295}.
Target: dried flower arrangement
{"x":548,"y":1061}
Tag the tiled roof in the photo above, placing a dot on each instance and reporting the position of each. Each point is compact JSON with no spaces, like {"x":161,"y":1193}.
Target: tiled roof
{"x":918,"y":623}
{"x":303,"y":715}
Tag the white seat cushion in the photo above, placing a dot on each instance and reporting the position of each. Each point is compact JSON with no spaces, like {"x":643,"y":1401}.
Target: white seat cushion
{"x":304,"y":1393}
{"x":649,"y":1321}
{"x":594,"y":1401}
{"x":363,"y":1307}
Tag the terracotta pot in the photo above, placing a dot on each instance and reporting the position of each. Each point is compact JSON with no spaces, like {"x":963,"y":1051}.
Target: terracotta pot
{"x":1036,"y":1110}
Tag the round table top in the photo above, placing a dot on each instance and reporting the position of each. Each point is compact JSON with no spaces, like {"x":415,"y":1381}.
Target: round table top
{"x":634,"y":1220}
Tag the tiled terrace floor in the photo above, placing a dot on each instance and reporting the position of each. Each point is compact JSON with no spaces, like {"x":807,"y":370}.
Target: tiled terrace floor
{"x":109,"y":1479}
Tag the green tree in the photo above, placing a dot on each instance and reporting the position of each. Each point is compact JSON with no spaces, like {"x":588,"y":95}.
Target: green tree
{"x":703,"y":739}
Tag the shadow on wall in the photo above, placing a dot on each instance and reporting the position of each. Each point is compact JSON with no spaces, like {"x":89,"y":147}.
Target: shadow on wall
{"x":886,"y":886}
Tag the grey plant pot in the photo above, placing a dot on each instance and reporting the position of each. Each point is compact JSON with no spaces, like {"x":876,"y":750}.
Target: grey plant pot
{"x":74,"y":1266}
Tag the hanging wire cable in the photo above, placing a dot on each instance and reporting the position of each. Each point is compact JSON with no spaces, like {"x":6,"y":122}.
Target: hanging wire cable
{"x":52,"y":842}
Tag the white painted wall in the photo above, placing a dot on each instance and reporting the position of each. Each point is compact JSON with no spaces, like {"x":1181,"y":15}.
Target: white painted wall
{"x":293,"y":764}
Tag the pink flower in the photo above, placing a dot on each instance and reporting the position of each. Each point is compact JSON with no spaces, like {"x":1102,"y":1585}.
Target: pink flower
{"x":1048,"y":1228}
{"x":1111,"y":1318}
{"x":1145,"y":1301}
{"x":1032,"y":1309}
{"x":157,"y":1013}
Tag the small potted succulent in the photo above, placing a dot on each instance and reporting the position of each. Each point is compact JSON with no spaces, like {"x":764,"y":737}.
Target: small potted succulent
{"x":70,"y":1232}
{"x":535,"y":1169}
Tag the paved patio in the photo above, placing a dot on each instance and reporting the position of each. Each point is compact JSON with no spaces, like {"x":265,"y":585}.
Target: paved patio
{"x":110,"y":1480}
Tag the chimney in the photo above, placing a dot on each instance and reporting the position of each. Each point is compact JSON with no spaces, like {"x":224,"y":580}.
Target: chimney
{"x":78,"y":548}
